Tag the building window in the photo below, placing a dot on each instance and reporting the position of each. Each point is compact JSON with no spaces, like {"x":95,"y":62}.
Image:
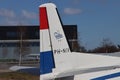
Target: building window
{"x":11,"y":34}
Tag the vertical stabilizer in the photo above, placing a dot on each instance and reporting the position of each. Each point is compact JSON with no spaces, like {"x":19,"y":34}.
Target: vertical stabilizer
{"x":46,"y":54}
{"x":53,"y":42}
{"x":56,"y":59}
{"x":58,"y":39}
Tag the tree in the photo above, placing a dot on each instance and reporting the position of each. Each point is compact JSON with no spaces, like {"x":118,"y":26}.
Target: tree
{"x":106,"y":46}
{"x":22,"y":45}
{"x":118,"y":47}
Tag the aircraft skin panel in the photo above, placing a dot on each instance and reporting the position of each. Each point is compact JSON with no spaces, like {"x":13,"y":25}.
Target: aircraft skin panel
{"x":43,"y":18}
{"x":46,"y":62}
{"x":94,"y":60}
{"x":56,"y":32}
{"x":46,"y":54}
{"x":44,"y":41}
{"x":56,"y":59}
{"x":116,"y":78}
{"x":113,"y":74}
{"x":58,"y":40}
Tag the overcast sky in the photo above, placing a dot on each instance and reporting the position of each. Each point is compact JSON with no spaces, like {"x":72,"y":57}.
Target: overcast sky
{"x":96,"y":19}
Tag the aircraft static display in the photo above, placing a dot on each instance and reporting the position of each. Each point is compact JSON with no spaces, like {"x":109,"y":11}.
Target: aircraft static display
{"x":58,"y":62}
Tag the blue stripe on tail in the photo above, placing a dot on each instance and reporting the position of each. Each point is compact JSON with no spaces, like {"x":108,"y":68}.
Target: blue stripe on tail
{"x":46,"y":62}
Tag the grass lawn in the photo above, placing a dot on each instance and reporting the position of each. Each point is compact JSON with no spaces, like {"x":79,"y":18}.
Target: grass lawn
{"x":17,"y":76}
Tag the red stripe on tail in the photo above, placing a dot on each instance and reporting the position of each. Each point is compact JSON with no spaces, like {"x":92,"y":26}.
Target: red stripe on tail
{"x":43,"y":18}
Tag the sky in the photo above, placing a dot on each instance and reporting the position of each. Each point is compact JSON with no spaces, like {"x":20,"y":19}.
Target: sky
{"x":96,"y":19}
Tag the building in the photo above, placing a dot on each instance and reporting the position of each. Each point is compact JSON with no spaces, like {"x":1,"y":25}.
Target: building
{"x":25,"y":39}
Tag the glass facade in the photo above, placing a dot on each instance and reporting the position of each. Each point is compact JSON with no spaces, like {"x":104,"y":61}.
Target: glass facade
{"x":12,"y":38}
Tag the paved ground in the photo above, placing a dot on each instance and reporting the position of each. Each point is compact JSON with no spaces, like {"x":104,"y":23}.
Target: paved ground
{"x":4,"y":67}
{"x":6,"y":74}
{"x":17,"y":76}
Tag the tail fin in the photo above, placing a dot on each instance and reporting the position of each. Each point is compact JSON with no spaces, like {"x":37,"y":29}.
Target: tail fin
{"x":55,"y":57}
{"x":52,"y":38}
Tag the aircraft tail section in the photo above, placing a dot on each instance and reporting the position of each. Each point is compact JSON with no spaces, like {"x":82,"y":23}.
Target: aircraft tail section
{"x":52,"y":38}
{"x":56,"y":59}
{"x":58,"y":39}
{"x":46,"y":54}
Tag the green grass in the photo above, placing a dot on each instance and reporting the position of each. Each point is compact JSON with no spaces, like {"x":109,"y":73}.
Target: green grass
{"x":17,"y":76}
